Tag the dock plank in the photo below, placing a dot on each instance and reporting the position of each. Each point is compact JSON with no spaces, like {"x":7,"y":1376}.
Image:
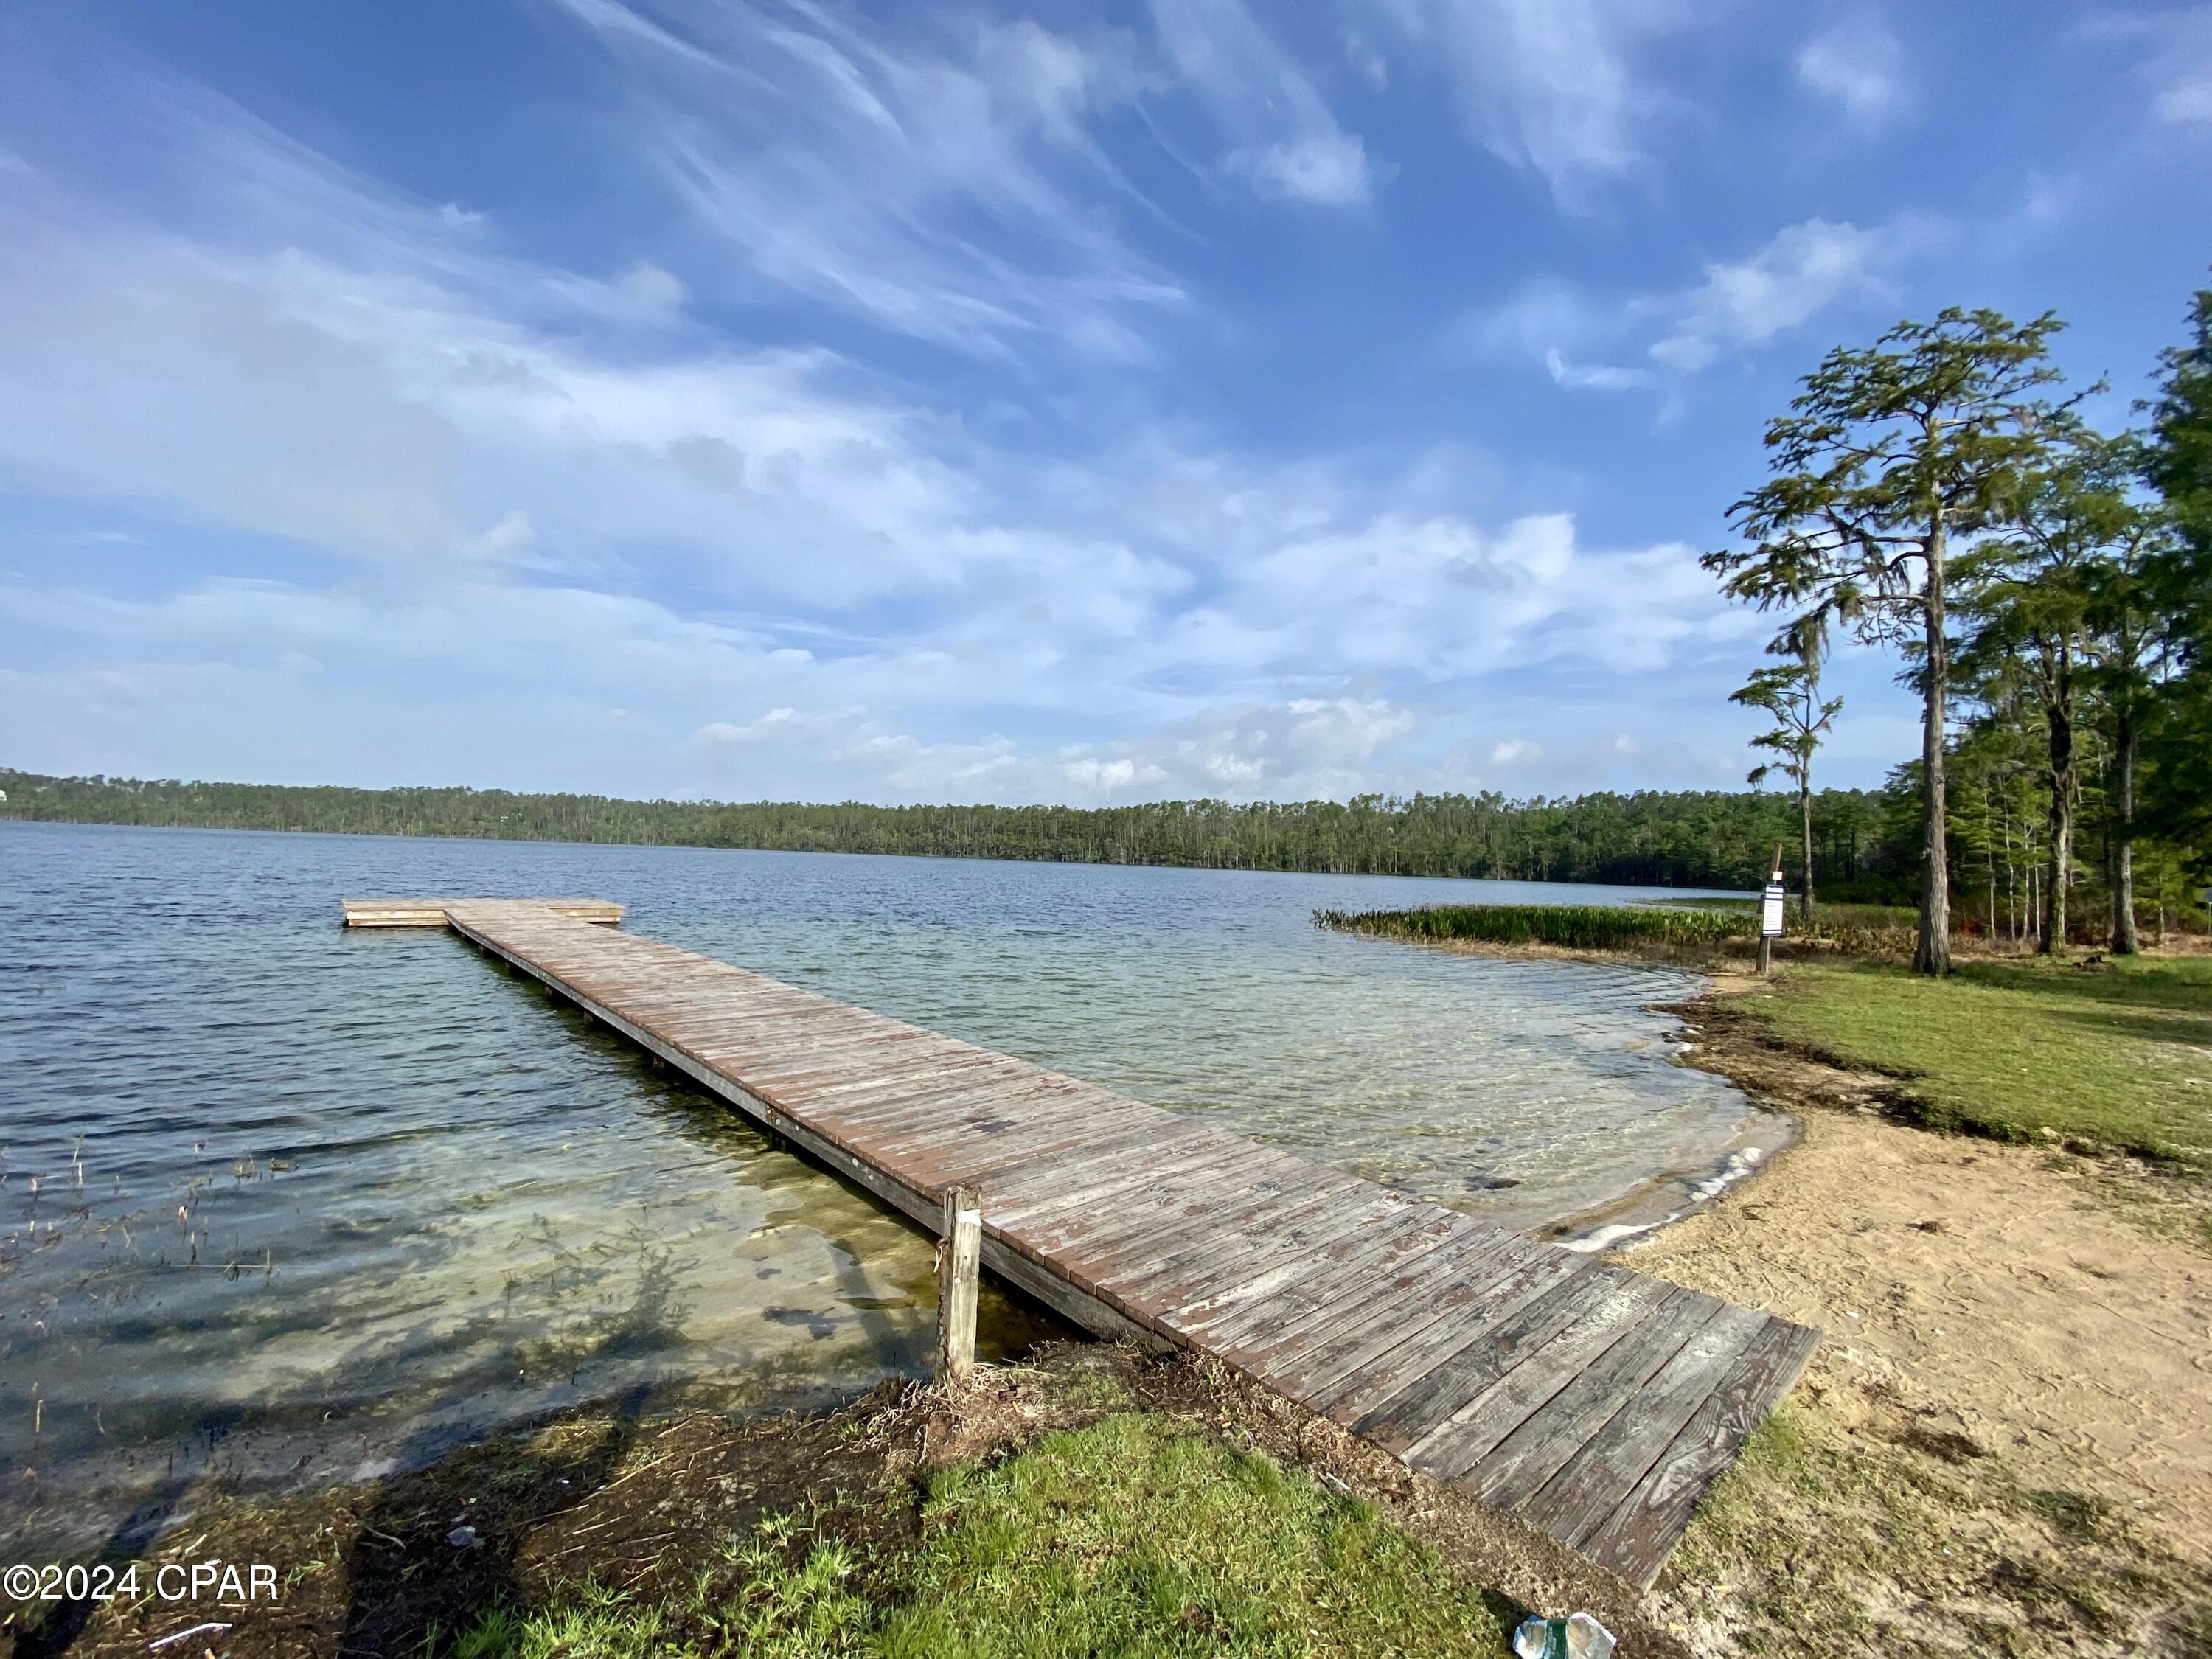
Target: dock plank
{"x":1521,"y":1430}
{"x":1355,"y":1265}
{"x":1598,"y":1403}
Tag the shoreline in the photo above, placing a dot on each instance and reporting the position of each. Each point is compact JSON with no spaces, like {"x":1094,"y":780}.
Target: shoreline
{"x":371,"y":1567}
{"x":1621,"y":1222}
{"x":2008,"y":1424}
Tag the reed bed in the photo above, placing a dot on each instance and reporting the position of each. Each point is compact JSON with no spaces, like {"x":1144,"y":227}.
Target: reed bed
{"x":1574,"y":927}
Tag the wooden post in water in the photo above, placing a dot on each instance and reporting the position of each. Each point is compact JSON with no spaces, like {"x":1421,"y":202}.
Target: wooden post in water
{"x":959,"y":1259}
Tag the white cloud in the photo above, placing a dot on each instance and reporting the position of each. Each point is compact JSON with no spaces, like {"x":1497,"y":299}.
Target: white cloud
{"x":1802,"y":271}
{"x":505,"y":498}
{"x":1327,"y":169}
{"x":1305,"y":748}
{"x":1283,"y":140}
{"x":1544,"y":314}
{"x":1366,"y":61}
{"x":1597,"y":377}
{"x":375,"y":382}
{"x":2177,"y":61}
{"x":508,"y":539}
{"x":852,"y":167}
{"x":653,"y":288}
{"x":1799,"y":273}
{"x":1559,"y":87}
{"x":488,"y":626}
{"x":783,"y":725}
{"x":1858,"y":64}
{"x":1442,"y":599}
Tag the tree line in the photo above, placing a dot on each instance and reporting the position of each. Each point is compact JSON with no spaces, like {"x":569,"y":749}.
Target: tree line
{"x":1679,"y":839}
{"x":2047,"y":586}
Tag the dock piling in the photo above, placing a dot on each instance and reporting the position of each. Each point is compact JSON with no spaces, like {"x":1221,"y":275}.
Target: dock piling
{"x":959,"y":1260}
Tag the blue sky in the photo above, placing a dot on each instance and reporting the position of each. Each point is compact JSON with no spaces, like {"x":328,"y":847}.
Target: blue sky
{"x":953,"y":403}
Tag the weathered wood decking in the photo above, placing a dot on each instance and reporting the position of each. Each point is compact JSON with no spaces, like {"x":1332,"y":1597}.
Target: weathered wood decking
{"x":1594,"y":1402}
{"x":431,"y":913}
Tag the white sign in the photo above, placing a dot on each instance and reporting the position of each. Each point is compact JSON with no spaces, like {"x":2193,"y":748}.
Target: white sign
{"x":1770,"y":914}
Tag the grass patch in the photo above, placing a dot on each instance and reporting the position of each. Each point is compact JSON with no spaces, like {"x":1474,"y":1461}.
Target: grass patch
{"x":1128,"y":1537}
{"x":2119,"y":1057}
{"x":1572,"y":926}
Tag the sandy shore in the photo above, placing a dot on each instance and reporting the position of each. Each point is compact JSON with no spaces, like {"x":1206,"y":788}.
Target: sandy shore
{"x":2017,"y":1338}
{"x":1997,"y":1293}
{"x":2004,"y":1444}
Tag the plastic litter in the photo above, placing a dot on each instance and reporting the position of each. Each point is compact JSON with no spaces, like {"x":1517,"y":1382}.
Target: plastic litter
{"x":1579,"y":1636}
{"x":464,"y":1538}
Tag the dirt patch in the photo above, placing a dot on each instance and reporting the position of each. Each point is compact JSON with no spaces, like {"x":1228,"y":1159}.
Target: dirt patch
{"x":374,"y":1569}
{"x":2005,"y":1442}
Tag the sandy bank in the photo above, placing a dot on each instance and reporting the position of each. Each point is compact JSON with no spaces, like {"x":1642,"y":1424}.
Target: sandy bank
{"x":2005,"y":1441}
{"x":2004,"y":1444}
{"x":2002,"y":1293}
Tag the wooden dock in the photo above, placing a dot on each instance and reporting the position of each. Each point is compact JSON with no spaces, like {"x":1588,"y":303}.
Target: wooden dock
{"x":1591,"y":1401}
{"x":431,"y":913}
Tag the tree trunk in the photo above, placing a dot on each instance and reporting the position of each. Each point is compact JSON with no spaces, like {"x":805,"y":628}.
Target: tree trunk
{"x":1931,"y":952}
{"x":2124,"y":943}
{"x":2058,"y":717}
{"x":1990,"y":858}
{"x":2012,"y":885}
{"x":1805,"y":832}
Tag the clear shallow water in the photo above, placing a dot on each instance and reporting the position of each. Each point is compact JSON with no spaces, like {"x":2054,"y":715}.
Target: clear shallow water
{"x":310,"y":1204}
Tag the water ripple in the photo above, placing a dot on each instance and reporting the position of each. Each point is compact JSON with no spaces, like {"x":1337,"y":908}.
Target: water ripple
{"x":308,"y":1202}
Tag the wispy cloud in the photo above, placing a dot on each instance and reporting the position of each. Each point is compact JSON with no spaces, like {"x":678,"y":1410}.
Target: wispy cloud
{"x":1856,"y":63}
{"x":2177,"y":58}
{"x":942,"y":182}
{"x":1801,"y":272}
{"x":1282,"y":138}
{"x":1305,"y":748}
{"x":1559,"y":87}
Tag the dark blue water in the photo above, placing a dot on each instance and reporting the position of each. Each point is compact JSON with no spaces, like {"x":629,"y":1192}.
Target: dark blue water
{"x":283,"y":1204}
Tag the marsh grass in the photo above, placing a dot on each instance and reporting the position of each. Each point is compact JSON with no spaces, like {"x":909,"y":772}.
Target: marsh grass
{"x":1570,"y":926}
{"x":1876,"y":932}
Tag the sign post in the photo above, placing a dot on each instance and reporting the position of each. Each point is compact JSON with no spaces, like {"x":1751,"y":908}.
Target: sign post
{"x":1774,"y":900}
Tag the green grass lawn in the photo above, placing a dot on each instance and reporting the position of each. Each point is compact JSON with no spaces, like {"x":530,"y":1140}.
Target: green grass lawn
{"x":2117,"y":1056}
{"x":1130,"y":1537}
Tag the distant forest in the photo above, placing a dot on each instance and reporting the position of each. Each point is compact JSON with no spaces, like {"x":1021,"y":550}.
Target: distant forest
{"x":1864,"y":839}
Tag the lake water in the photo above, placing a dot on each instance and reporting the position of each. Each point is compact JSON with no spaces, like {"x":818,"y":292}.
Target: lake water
{"x":283,"y":1204}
